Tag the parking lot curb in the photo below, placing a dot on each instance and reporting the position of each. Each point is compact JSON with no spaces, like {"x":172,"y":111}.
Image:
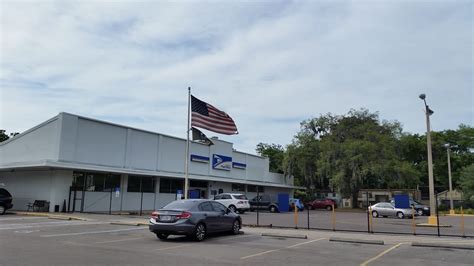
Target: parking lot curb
{"x":37,"y":214}
{"x":286,"y":235}
{"x":433,"y":225}
{"x":442,"y":245}
{"x":359,"y":241}
{"x":50,"y":216}
{"x":129,"y":223}
{"x":59,"y":217}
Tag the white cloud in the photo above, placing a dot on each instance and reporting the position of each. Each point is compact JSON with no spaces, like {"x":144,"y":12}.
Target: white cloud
{"x":268,"y":65}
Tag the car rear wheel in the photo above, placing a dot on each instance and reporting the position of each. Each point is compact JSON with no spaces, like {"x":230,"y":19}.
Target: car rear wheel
{"x":232,"y":208}
{"x":2,"y":210}
{"x":375,"y":214}
{"x":400,"y":215}
{"x":329,"y":207}
{"x":200,"y":232}
{"x":162,"y":236}
{"x":236,"y":227}
{"x":273,"y":209}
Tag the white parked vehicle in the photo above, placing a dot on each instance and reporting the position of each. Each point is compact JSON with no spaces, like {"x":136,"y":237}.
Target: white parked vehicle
{"x":236,"y":202}
{"x":386,"y":209}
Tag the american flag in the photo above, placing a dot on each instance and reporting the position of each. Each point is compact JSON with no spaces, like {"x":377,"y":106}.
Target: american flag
{"x":206,"y":116}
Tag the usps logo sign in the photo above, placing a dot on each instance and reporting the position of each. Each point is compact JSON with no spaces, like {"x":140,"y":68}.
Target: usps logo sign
{"x":221,"y":162}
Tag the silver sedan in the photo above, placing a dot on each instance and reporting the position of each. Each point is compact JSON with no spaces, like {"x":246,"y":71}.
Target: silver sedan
{"x":386,"y":209}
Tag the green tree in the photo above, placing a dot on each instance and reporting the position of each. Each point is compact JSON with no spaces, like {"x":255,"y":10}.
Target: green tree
{"x":302,"y":155}
{"x":362,"y":152}
{"x":275,"y":153}
{"x":467,"y":181}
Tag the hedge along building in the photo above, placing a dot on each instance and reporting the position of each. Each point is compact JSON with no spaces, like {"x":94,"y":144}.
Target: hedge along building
{"x":82,"y":164}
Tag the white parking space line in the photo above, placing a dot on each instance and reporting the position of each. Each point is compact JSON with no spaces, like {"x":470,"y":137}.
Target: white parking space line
{"x":173,"y":247}
{"x":95,"y":232}
{"x":119,"y":240}
{"x":273,"y":250}
{"x":46,"y":224}
{"x":365,"y":263}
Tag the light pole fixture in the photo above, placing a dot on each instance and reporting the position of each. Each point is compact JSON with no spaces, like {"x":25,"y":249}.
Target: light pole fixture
{"x":448,"y":150}
{"x":432,"y":219}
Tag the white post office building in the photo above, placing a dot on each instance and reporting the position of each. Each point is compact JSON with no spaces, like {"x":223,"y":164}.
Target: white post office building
{"x":85,"y":165}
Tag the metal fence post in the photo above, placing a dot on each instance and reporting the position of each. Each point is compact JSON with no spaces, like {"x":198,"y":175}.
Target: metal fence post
{"x":110,"y":203}
{"x":333,"y":218}
{"x":371,"y":221}
{"x":437,"y":213}
{"x":462,"y":221}
{"x":307,"y":207}
{"x":258,"y":204}
{"x":141,"y":198}
{"x":296,"y":215}
{"x":368,"y":219}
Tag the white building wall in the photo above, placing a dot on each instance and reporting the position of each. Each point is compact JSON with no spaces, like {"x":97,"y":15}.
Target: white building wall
{"x":61,"y":180}
{"x":143,"y":150}
{"x":37,"y":144}
{"x":28,"y":186}
{"x":100,"y":144}
{"x":164,"y":198}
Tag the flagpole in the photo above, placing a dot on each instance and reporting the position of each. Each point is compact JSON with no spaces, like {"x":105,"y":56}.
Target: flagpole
{"x":186,"y":171}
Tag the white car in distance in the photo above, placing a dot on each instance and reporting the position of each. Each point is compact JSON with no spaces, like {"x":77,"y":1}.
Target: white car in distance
{"x":236,"y":202}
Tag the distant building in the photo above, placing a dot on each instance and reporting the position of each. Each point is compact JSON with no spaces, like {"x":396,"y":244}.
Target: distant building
{"x":383,"y":195}
{"x":82,"y":164}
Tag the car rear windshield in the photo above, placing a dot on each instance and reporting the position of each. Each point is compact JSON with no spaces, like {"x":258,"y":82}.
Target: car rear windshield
{"x":242,"y":197}
{"x":179,"y":205}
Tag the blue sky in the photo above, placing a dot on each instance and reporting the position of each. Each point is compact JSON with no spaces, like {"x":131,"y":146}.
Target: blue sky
{"x":268,"y":64}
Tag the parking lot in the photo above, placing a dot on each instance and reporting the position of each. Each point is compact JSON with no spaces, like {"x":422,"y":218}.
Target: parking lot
{"x":42,"y":241}
{"x":357,"y":221}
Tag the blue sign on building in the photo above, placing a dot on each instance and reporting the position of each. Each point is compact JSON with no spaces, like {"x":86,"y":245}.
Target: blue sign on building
{"x":199,"y":159}
{"x":221,"y":162}
{"x":239,"y":165}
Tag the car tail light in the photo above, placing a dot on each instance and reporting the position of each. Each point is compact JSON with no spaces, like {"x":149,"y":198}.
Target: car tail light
{"x":241,"y":202}
{"x":184,"y":215}
{"x":155,"y":215}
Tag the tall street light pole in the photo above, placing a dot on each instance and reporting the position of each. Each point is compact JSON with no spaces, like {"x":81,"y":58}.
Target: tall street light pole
{"x":432,"y":219}
{"x":448,"y":150}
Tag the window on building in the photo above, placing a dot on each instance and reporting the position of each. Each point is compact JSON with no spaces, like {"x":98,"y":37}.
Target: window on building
{"x":238,"y":187}
{"x":78,"y":181}
{"x":168,"y":185}
{"x":197,"y":183}
{"x":252,"y":188}
{"x":95,"y":182}
{"x":112,"y":182}
{"x":144,"y":184}
{"x":148,"y":184}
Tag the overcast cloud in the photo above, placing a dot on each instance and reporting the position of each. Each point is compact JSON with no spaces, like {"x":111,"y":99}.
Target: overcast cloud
{"x":268,"y":64}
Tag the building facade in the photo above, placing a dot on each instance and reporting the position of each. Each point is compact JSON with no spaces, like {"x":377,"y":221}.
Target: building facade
{"x":82,"y":164}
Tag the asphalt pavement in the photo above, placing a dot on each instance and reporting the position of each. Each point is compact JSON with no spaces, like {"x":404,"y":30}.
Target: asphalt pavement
{"x":118,"y":240}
